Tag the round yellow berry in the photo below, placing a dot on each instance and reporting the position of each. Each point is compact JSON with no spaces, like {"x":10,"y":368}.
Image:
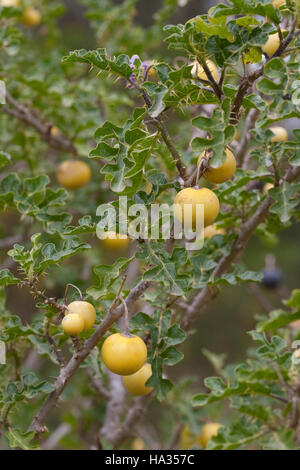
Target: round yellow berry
{"x":267,"y":187}
{"x":55,"y":131}
{"x":124,"y":355}
{"x":224,"y":172}
{"x":272,"y":44}
{"x":193,"y":197}
{"x":85,"y":310}
{"x":115,"y":241}
{"x":280,"y":134}
{"x":198,"y":71}
{"x":278,"y":3}
{"x":212,"y":230}
{"x":187,"y":440}
{"x":135,"y":383}
{"x":209,"y":430}
{"x":73,"y":174}
{"x":9,"y":3}
{"x":138,"y":444}
{"x":72,"y":324}
{"x":31,"y":17}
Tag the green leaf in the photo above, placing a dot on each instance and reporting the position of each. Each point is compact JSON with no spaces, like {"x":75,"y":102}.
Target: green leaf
{"x":5,"y":159}
{"x":220,"y":132}
{"x":175,"y":335}
{"x":294,"y":300}
{"x":286,"y":200}
{"x":278,"y":319}
{"x":162,"y":386}
{"x":106,"y":275}
{"x":171,"y":356}
{"x":6,"y":277}
{"x":20,"y":440}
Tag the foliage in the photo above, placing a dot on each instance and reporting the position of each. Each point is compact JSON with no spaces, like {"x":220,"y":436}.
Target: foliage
{"x":135,"y":112}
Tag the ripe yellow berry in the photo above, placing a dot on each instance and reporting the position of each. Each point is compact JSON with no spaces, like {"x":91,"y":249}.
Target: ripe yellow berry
{"x":187,"y":440}
{"x":222,"y":173}
{"x":198,"y":71}
{"x":138,"y":444}
{"x":296,"y":354}
{"x":55,"y":131}
{"x":272,"y":44}
{"x":151,"y":72}
{"x":278,"y":3}
{"x":236,"y":136}
{"x":193,"y":196}
{"x":135,"y":383}
{"x":124,"y":355}
{"x":208,"y":431}
{"x":9,"y":3}
{"x":212,"y":230}
{"x":280,"y":134}
{"x":115,"y":241}
{"x":72,"y":324}
{"x":31,"y":17}
{"x":73,"y":174}
{"x":148,"y":187}
{"x":85,"y":310}
{"x":267,"y":187}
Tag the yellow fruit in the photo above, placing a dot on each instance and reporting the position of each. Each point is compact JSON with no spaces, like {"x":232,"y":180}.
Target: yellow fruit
{"x":212,"y":230}
{"x":236,"y":136}
{"x":124,"y":355}
{"x":222,"y":173}
{"x":208,"y":431}
{"x":197,"y":70}
{"x":280,"y":134}
{"x":137,"y":444}
{"x":73,"y":174}
{"x":135,"y":383}
{"x":151,"y":72}
{"x":187,"y":440}
{"x":31,"y":17}
{"x":272,"y":44}
{"x":55,"y":131}
{"x":72,"y":324}
{"x":85,"y":310}
{"x":115,"y":241}
{"x":196,"y":196}
{"x":9,"y":3}
{"x":148,"y":187}
{"x":296,"y":354}
{"x":278,"y":3}
{"x":267,"y":187}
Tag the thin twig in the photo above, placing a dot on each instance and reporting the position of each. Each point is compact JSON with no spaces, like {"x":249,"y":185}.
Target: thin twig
{"x":97,"y":384}
{"x":28,"y":116}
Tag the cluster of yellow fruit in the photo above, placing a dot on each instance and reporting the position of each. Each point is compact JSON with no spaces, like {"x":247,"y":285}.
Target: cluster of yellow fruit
{"x":31,"y":16}
{"x":126,"y":355}
{"x":188,"y":440}
{"x":79,"y":316}
{"x":270,"y":47}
